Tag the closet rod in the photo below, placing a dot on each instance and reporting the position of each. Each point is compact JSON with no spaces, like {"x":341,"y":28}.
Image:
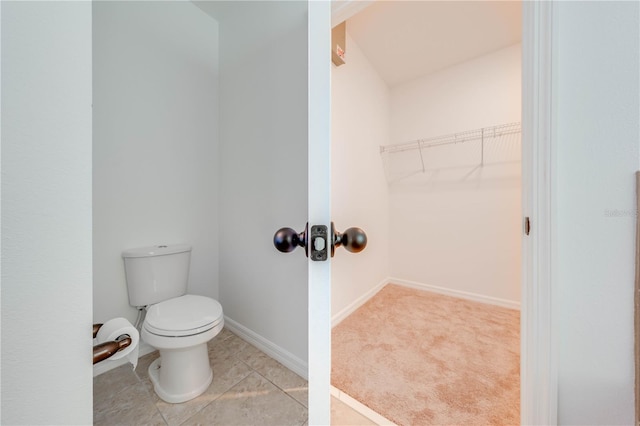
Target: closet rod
{"x":470,"y":135}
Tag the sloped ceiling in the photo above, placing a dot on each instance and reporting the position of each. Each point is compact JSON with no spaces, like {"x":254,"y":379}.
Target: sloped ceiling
{"x":404,"y":40}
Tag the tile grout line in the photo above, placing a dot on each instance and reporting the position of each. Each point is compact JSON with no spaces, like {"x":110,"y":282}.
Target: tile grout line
{"x":149,"y":397}
{"x":264,"y":377}
{"x":283,"y":390}
{"x":151,"y":400}
{"x":219,"y":396}
{"x":221,"y":393}
{"x":253,"y":370}
{"x":234,"y":355}
{"x":261,"y":375}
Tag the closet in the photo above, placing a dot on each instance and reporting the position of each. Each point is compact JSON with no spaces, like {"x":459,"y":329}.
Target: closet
{"x":426,"y":148}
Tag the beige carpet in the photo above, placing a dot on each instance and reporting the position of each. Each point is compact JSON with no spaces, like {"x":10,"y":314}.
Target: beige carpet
{"x":420,"y":358}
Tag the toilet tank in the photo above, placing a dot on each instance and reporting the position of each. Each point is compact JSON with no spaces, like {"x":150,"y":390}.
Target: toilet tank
{"x":156,"y":273}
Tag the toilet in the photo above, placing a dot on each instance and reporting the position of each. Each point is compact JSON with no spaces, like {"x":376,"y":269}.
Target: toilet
{"x":178,"y":324}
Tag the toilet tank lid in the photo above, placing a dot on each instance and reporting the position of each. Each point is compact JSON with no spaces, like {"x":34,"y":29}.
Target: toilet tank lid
{"x":159,"y":250}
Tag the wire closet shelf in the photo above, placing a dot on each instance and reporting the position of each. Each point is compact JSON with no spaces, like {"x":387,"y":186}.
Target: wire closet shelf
{"x":481,"y":135}
{"x":503,"y":135}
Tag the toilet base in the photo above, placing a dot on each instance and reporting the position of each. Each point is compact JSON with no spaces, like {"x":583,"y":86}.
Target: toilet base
{"x":181,"y":375}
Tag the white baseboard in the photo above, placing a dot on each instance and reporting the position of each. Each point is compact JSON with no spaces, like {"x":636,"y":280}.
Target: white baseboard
{"x":510,"y":304}
{"x":294,"y":363}
{"x":108,"y":365}
{"x":281,"y":355}
{"x":337,"y":318}
{"x":360,"y":407}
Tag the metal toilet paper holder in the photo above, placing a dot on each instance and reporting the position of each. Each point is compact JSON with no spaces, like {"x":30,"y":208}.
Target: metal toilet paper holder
{"x":107,"y":349}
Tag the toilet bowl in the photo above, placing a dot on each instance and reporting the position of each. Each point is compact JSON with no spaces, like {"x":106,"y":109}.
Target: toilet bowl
{"x":180,"y":329}
{"x":179,"y":325}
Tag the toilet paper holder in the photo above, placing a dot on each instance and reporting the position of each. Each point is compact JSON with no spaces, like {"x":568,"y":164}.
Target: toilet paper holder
{"x":107,"y":349}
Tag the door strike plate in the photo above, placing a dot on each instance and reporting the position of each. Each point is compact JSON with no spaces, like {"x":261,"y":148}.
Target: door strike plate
{"x":318,"y":245}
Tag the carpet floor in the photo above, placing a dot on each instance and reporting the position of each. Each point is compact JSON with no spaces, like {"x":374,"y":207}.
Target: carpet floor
{"x":420,"y":358}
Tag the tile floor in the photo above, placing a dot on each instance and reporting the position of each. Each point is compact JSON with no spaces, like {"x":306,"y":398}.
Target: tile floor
{"x":249,"y":388}
{"x":343,"y":415}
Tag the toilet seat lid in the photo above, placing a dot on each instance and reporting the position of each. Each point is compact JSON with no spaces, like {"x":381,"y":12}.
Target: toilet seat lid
{"x":183,"y":316}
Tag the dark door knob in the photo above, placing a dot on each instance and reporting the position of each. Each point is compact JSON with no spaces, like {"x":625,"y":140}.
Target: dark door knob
{"x":353,"y":239}
{"x":286,"y":239}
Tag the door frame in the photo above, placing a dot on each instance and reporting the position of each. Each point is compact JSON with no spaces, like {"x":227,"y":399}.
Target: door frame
{"x":538,"y":368}
{"x":538,"y":373}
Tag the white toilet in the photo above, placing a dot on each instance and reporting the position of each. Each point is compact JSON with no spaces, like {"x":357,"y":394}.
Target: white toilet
{"x":179,"y":325}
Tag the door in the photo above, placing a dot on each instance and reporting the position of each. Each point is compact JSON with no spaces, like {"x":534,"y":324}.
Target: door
{"x":274,"y":173}
{"x":274,"y":168}
{"x":319,"y":227}
{"x":319,"y":210}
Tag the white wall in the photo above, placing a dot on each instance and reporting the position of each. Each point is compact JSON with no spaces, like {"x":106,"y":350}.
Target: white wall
{"x":155,"y":160}
{"x":263,"y":169}
{"x":359,"y":196}
{"x":596,"y":93}
{"x":46,"y":213}
{"x":458,"y":225}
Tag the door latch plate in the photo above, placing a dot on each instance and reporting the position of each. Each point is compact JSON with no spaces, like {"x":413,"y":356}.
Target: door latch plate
{"x":318,"y":245}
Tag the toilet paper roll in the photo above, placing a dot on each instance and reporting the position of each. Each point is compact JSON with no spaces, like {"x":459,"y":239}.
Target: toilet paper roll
{"x":115,"y":328}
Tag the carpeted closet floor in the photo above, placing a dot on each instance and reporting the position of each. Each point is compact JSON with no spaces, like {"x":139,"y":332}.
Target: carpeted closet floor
{"x":420,"y":358}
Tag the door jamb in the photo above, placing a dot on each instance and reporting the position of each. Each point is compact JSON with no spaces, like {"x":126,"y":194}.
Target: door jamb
{"x":538,"y":374}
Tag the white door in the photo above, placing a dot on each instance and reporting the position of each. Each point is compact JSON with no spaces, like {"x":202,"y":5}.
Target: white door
{"x":274,"y":112}
{"x":319,"y":235}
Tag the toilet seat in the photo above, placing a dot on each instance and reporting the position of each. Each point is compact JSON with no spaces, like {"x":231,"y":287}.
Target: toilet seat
{"x":183,"y":316}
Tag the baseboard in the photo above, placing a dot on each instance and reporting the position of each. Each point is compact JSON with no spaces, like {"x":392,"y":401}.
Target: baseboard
{"x":337,"y":318}
{"x":108,"y":365}
{"x":284,"y":357}
{"x":281,"y":355}
{"x":360,"y":407}
{"x":352,"y":307}
{"x":294,"y":363}
{"x":510,"y":304}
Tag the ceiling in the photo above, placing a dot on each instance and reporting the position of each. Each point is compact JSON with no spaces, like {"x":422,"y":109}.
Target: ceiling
{"x":404,"y":40}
